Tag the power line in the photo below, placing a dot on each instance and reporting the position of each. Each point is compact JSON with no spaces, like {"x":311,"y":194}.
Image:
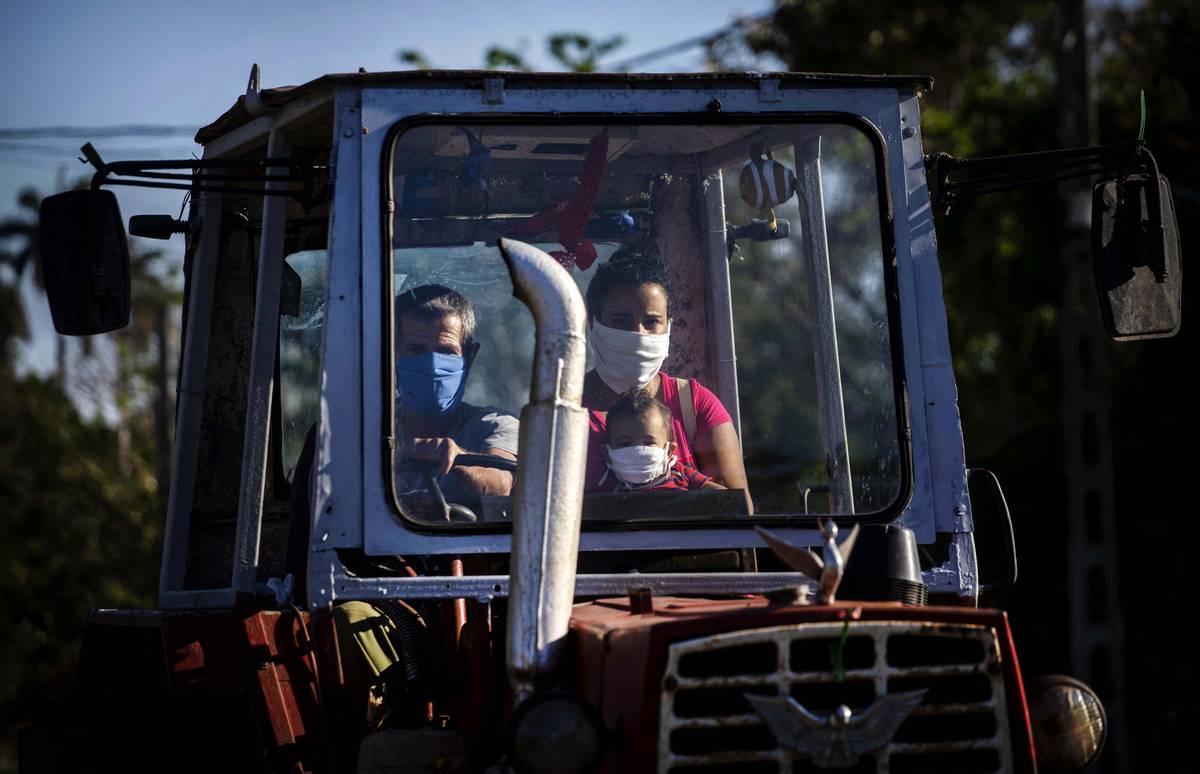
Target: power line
{"x":36,"y":149}
{"x":70,"y":152}
{"x":9,"y":160}
{"x":97,"y":132}
{"x":700,"y":40}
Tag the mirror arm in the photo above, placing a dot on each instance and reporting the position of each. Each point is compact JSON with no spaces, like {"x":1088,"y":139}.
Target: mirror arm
{"x":91,"y":156}
{"x":300,"y":171}
{"x":976,"y":177}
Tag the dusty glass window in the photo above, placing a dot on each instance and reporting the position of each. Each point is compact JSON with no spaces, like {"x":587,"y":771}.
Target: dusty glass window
{"x":770,"y":238}
{"x":811,"y":321}
{"x":301,"y":320}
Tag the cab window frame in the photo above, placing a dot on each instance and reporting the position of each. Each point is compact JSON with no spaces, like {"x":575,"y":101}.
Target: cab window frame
{"x":891,"y":296}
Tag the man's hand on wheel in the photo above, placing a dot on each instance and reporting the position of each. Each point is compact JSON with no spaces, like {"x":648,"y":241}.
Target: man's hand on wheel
{"x":440,"y":450}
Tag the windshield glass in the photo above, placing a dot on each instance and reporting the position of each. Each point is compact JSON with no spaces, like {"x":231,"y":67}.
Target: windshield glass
{"x":740,"y":344}
{"x":301,"y":320}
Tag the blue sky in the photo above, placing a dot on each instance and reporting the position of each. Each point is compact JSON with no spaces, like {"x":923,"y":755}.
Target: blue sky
{"x":140,"y":62}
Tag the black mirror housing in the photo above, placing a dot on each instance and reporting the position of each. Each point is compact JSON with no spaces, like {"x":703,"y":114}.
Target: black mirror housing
{"x":85,"y":262}
{"x":1135,"y":255}
{"x":156,"y":226}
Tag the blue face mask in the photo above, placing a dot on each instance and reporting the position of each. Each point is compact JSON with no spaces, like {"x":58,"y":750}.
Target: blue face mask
{"x":431,"y":385}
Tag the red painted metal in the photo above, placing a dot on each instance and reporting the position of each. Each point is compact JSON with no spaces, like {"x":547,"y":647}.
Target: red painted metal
{"x":476,"y":705}
{"x":269,"y":656}
{"x":197,"y":691}
{"x":641,"y":601}
{"x":204,"y":652}
{"x":622,"y":656}
{"x":460,"y":605}
{"x":1019,"y":722}
{"x":284,"y":661}
{"x":288,"y":667}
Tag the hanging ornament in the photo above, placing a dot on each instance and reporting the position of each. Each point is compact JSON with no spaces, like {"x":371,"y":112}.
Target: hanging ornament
{"x":764,"y":182}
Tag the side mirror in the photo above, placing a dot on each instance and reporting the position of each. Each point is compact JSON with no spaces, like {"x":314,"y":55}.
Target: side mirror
{"x":995,"y":528}
{"x":1135,"y":254}
{"x":85,"y":262}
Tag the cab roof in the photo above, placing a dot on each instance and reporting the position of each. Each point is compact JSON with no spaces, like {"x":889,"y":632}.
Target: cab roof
{"x":278,"y":97}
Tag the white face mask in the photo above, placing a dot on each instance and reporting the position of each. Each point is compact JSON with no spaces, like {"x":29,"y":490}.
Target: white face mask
{"x":628,"y":359}
{"x":638,"y":465}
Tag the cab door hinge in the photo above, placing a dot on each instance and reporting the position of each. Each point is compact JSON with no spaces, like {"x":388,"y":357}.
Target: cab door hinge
{"x":493,"y":91}
{"x":768,"y":90}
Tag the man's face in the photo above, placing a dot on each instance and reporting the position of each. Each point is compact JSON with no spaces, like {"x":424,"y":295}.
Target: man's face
{"x":418,"y":336}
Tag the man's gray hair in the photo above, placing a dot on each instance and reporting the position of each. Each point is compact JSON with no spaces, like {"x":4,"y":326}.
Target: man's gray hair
{"x":433,"y":302}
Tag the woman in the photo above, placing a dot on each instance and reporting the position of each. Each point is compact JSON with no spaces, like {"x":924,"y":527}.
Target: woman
{"x":629,"y":317}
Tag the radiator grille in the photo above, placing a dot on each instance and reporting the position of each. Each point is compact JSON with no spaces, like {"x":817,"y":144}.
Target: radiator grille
{"x":707,"y":726}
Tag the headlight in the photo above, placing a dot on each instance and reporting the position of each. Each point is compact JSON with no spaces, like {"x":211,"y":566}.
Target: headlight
{"x":1068,"y":721}
{"x":557,"y":732}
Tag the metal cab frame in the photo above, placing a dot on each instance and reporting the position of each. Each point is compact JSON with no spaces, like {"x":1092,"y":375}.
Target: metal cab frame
{"x":350,"y":503}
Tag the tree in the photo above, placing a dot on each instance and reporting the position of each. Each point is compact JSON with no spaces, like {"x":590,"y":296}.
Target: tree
{"x":580,"y":53}
{"x":77,"y":533}
{"x":995,"y":94}
{"x":23,"y":229}
{"x":571,"y":51}
{"x":83,"y":499}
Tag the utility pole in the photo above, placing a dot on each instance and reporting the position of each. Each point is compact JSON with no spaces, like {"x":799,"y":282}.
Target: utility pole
{"x":1096,"y":621}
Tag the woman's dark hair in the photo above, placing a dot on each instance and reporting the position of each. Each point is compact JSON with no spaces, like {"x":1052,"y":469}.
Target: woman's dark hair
{"x":635,"y":264}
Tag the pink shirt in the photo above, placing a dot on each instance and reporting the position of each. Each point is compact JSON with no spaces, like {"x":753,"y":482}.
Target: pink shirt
{"x":709,"y":413}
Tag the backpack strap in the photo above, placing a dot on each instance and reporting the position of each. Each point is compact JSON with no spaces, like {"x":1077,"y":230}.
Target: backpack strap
{"x":687,"y":408}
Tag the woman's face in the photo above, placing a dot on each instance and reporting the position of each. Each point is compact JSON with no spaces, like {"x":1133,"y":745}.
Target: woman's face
{"x":637,"y":308}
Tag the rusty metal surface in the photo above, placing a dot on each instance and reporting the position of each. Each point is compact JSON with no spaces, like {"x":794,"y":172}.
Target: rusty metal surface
{"x":267,"y":656}
{"x":720,"y":296}
{"x":283,"y":658}
{"x":209,"y":561}
{"x":622,"y":657}
{"x":603,"y":585}
{"x":679,"y":240}
{"x":787,"y":674}
{"x":204,"y":652}
{"x":206,"y":691}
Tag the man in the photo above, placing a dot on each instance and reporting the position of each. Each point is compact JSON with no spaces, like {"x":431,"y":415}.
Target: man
{"x":435,"y":347}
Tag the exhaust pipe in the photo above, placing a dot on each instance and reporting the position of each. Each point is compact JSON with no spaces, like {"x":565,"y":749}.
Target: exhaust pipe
{"x":548,"y":496}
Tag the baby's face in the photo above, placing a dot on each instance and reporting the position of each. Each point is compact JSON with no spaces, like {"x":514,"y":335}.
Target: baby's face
{"x":646,"y":429}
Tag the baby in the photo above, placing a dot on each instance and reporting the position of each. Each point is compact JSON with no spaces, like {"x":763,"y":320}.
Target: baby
{"x":641,"y":455}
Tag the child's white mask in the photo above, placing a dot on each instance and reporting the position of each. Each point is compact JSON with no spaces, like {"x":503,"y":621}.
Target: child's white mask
{"x":637,"y":465}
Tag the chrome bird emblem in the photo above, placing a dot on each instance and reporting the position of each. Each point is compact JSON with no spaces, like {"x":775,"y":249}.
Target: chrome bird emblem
{"x":827,"y":569}
{"x":837,"y":740}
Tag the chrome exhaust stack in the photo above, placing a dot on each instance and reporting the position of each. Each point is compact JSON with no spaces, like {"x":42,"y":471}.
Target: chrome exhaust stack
{"x":548,"y":496}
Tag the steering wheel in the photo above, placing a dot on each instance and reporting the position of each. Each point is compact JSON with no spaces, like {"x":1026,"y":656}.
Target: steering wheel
{"x":457,"y":512}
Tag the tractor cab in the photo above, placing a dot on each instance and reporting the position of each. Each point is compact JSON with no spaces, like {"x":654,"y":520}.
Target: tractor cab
{"x":789,"y":223}
{"x":789,"y":214}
